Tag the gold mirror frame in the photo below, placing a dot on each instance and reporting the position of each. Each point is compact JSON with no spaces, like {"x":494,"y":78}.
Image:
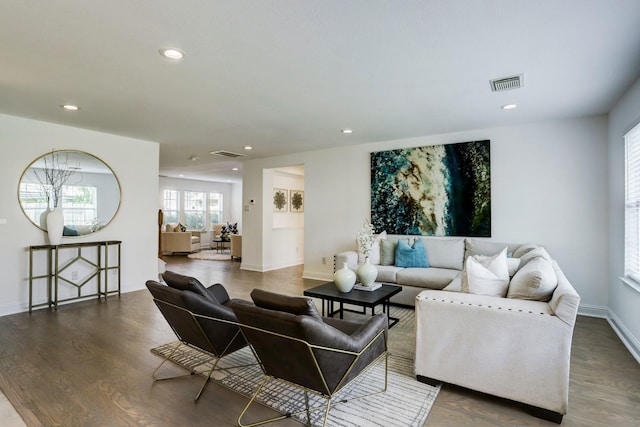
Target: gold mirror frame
{"x":79,"y":167}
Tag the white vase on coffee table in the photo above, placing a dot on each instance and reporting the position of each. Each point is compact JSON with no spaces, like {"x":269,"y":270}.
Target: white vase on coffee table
{"x":344,"y":278}
{"x":367,"y":273}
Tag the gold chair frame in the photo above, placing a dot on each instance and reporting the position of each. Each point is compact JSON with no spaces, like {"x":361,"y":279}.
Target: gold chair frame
{"x":182,"y":343}
{"x":328,"y":395}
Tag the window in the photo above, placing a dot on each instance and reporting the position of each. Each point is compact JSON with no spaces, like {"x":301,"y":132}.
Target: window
{"x":171,"y":207}
{"x":632,"y":205}
{"x":80,"y":204}
{"x":215,"y":209}
{"x":194,"y":210}
{"x":34,"y":201}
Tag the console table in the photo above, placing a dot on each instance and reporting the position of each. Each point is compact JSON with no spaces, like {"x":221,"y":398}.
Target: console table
{"x":57,"y":272}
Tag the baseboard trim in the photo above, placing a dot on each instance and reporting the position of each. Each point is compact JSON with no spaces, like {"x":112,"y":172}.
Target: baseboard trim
{"x":265,"y":268}
{"x":625,"y":335}
{"x":589,"y":310}
{"x":317,"y":275}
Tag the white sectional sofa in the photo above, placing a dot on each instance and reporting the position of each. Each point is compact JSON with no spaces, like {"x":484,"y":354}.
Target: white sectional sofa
{"x":515,"y":345}
{"x":445,"y":257}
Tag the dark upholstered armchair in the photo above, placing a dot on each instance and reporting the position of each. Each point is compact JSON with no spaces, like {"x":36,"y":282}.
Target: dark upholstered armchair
{"x":296,"y":345}
{"x":199,"y":316}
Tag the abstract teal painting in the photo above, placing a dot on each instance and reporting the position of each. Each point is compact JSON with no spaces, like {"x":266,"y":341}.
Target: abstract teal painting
{"x":437,"y":190}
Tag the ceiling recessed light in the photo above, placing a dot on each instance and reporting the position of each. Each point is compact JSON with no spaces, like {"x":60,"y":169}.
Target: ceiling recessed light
{"x":248,"y":147}
{"x":509,"y":106}
{"x":172,"y":53}
{"x":69,"y":107}
{"x":347,"y":131}
{"x":234,"y":169}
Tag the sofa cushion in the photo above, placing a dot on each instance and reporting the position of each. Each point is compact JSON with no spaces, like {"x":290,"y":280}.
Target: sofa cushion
{"x":431,"y":278}
{"x":387,"y":273}
{"x":388,"y":252}
{"x":513,"y":264}
{"x":485,"y":275}
{"x":538,"y":252}
{"x":488,"y":248}
{"x":411,"y":256}
{"x":535,"y":281}
{"x":455,"y":285}
{"x":444,"y":253}
{"x":523,"y":249}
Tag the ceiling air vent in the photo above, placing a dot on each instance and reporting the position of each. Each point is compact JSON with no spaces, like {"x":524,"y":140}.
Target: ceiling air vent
{"x":507,"y":83}
{"x":229,"y":154}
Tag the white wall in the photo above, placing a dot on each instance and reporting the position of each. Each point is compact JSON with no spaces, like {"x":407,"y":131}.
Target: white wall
{"x":549,"y":185}
{"x":624,"y":300}
{"x":135,"y":162}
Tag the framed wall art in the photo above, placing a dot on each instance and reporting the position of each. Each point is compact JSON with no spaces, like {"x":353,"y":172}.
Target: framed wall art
{"x":280,"y":203}
{"x":296,"y":197}
{"x":439,"y":190}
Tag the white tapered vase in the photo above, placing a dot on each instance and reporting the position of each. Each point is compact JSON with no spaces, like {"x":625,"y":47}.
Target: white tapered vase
{"x":55,"y":226}
{"x":367,"y":273}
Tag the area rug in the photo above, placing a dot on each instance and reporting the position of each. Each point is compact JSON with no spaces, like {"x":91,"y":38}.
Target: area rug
{"x":211,"y":255}
{"x":406,"y":402}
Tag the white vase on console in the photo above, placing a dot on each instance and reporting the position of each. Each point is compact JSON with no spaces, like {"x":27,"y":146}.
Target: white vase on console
{"x":55,"y":226}
{"x":344,"y":278}
{"x":367,"y":273}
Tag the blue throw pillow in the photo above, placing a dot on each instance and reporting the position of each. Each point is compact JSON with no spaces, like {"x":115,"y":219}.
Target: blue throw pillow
{"x":407,"y":256}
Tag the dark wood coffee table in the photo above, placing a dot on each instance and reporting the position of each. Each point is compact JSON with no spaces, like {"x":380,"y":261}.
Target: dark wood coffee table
{"x":366,"y":299}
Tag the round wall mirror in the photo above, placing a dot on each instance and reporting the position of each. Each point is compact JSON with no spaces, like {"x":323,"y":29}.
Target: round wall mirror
{"x":80,"y":184}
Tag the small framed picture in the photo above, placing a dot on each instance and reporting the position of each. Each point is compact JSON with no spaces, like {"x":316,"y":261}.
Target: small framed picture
{"x":296,"y":199}
{"x":280,"y":202}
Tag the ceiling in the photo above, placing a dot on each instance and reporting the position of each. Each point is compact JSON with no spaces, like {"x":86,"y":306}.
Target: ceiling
{"x":286,"y":76}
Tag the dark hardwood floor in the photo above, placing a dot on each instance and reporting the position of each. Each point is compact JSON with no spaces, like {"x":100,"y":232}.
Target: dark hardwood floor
{"x":88,"y":364}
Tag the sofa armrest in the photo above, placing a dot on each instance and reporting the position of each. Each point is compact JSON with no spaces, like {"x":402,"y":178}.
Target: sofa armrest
{"x":350,"y":257}
{"x":517,"y":349}
{"x":565,"y":300}
{"x":178,"y":242}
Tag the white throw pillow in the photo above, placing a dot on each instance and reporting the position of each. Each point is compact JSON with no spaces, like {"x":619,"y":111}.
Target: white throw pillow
{"x":523,"y":249}
{"x":535,"y":281}
{"x":513,"y":264}
{"x":534,"y":253}
{"x":484,"y":275}
{"x":374,"y":255}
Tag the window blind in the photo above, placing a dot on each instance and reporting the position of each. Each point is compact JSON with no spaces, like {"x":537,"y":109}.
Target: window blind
{"x":632,"y":205}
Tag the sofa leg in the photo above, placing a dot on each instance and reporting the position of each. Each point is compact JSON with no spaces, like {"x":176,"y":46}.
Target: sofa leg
{"x":545,"y":414}
{"x":427,"y":380}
